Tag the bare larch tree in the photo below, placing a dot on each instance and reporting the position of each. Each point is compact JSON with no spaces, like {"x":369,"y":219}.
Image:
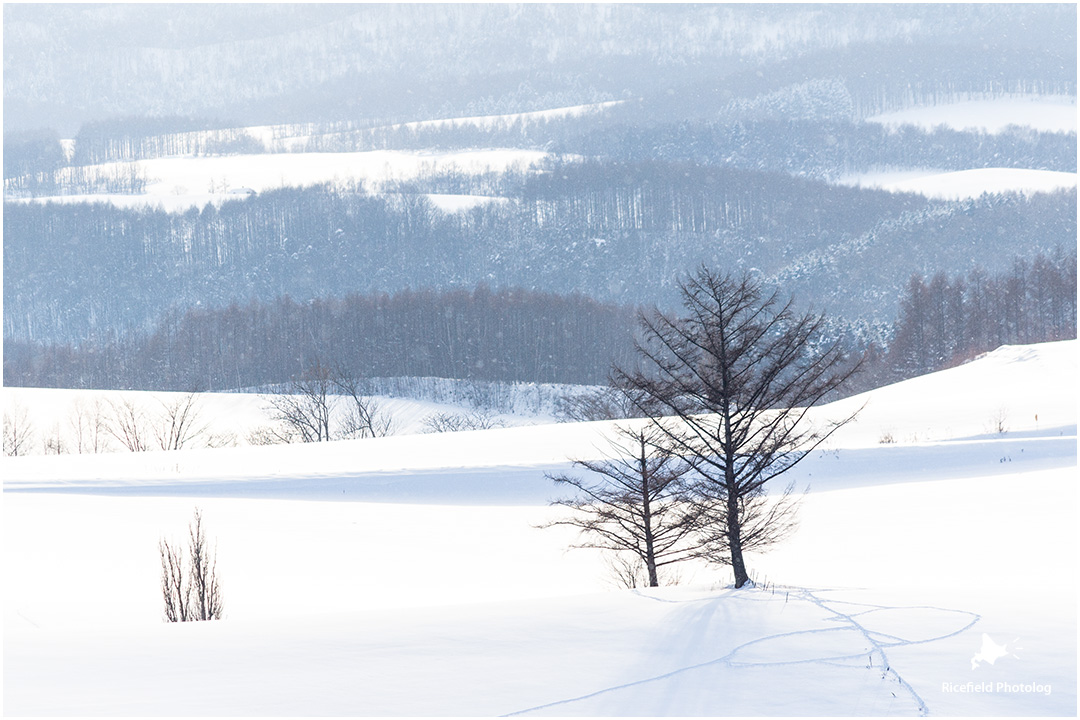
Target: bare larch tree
{"x":90,"y":428}
{"x":128,"y":424}
{"x":633,"y":501}
{"x":736,"y":375}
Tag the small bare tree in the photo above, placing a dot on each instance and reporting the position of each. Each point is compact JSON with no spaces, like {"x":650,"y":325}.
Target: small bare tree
{"x":18,"y":431}
{"x":179,"y":422}
{"x":89,"y":427}
{"x":222,"y":439}
{"x":53,"y":443}
{"x":272,"y":435}
{"x":306,"y":405}
{"x":128,"y":424}
{"x":635,"y":502}
{"x":189,"y":585}
{"x":605,"y":403}
{"x":363,"y":416}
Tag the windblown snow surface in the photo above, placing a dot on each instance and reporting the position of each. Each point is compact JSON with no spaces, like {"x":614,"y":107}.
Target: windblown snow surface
{"x":931,"y":574}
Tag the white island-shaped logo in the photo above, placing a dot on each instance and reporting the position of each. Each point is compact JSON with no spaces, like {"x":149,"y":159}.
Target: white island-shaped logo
{"x":990,"y":652}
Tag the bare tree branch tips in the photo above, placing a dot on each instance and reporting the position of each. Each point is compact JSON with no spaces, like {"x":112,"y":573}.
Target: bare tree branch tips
{"x":190,"y":588}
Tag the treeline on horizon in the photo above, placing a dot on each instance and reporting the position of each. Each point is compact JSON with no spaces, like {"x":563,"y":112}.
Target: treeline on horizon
{"x":506,"y":335}
{"x":944,"y":320}
{"x":518,"y":336}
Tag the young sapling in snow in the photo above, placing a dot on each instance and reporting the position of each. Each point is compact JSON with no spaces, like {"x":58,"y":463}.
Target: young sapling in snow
{"x":189,"y":583}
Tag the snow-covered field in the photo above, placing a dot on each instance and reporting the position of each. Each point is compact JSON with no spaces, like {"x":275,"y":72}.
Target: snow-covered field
{"x":178,"y":183}
{"x":288,"y":138}
{"x":406,"y":575}
{"x":229,"y":418}
{"x":1050,"y":113}
{"x":182,"y":182}
{"x":965,"y":184}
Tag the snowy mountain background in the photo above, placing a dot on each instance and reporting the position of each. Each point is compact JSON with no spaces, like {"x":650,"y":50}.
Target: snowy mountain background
{"x":184,"y":160}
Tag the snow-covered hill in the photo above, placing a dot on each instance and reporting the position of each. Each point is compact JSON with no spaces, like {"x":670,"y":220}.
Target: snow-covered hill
{"x":933,"y":573}
{"x":1050,"y":113}
{"x":964,"y":184}
{"x":179,"y":183}
{"x":289,"y":138}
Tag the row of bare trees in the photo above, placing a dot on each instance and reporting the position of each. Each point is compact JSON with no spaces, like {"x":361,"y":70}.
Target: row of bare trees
{"x":323,"y":404}
{"x":725,"y":391}
{"x":93,"y":427}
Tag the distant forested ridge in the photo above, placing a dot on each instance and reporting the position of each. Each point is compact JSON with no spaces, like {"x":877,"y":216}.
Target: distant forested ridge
{"x":814,"y":145}
{"x":673,"y":136}
{"x":520,"y":336}
{"x":617,"y":231}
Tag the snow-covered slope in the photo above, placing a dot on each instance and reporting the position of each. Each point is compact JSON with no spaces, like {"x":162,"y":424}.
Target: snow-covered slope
{"x":288,"y":138}
{"x":965,"y":184}
{"x":1050,"y":113}
{"x":407,"y":576}
{"x":228,"y":419}
{"x":179,"y":183}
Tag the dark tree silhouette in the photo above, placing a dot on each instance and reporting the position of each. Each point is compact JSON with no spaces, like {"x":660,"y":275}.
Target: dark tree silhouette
{"x":737,"y":375}
{"x":633,"y":500}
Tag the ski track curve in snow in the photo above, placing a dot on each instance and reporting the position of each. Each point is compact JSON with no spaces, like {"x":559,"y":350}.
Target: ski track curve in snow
{"x":859,"y":640}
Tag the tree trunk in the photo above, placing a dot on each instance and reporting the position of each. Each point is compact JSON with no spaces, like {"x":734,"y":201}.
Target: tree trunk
{"x":735,"y":541}
{"x":650,"y":553}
